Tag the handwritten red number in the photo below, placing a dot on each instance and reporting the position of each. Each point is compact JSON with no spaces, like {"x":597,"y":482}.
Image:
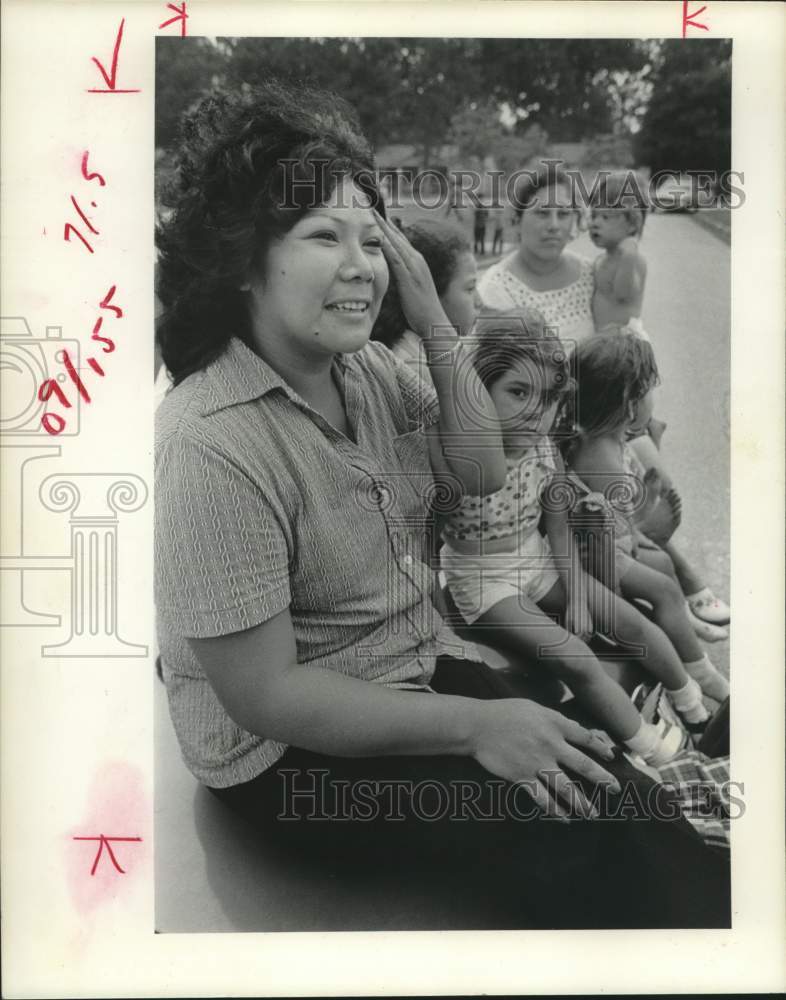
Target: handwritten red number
{"x":67,"y":235}
{"x":182,"y":16}
{"x":107,"y":299}
{"x":73,"y":375}
{"x":687,"y":18}
{"x":110,"y":344}
{"x":52,"y":423}
{"x":104,"y":841}
{"x":111,"y":77}
{"x":83,"y":217}
{"x":86,"y":173}
{"x":48,"y":388}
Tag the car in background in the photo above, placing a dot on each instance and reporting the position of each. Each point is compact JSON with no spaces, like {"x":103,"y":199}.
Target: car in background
{"x":683,"y":194}
{"x":675,"y":194}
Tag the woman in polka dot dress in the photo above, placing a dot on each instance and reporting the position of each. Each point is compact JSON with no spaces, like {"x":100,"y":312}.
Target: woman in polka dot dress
{"x":510,"y":580}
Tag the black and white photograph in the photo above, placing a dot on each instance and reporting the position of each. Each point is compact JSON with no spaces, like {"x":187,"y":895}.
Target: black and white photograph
{"x":442,"y":483}
{"x":393,"y":531}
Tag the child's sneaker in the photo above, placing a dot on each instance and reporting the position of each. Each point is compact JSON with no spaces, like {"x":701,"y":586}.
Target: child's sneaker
{"x":671,"y":740}
{"x":709,"y":608}
{"x":657,"y":742}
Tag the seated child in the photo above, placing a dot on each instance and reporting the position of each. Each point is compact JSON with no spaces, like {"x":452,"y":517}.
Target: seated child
{"x":509,"y":580}
{"x":615,"y":377}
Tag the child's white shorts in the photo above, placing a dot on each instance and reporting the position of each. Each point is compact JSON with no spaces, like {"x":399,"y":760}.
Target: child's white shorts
{"x":478,"y":582}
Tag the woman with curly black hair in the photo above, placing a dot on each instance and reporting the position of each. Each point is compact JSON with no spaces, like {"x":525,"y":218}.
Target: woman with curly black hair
{"x":295,"y":471}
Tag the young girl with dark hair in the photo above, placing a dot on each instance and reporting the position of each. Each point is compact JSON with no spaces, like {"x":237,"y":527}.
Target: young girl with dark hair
{"x":616,"y":376}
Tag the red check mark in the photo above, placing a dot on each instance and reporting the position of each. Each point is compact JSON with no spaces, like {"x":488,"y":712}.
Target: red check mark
{"x":111,"y":77}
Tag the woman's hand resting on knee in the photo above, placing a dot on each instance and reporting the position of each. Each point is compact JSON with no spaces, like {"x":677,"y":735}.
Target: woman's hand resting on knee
{"x":522,"y":741}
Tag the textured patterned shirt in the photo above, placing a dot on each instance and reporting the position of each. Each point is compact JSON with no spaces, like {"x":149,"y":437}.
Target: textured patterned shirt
{"x":263,"y":505}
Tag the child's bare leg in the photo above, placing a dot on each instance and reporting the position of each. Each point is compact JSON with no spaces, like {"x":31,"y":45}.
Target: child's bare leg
{"x":517,"y":624}
{"x":662,"y":562}
{"x":689,"y":579}
{"x":618,"y":620}
{"x":622,"y":622}
{"x":668,"y":605}
{"x":658,"y":560}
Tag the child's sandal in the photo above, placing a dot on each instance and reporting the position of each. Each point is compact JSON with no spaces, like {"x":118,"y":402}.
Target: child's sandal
{"x":709,"y":608}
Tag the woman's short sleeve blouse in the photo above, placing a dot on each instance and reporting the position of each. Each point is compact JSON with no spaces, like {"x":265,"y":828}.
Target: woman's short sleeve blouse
{"x":261,"y":505}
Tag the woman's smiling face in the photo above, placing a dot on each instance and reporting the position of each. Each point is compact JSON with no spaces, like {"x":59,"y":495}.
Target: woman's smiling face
{"x":547,"y":222}
{"x":323,"y":280}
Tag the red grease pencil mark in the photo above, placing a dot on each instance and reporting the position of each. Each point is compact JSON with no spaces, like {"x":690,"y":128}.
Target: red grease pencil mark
{"x":117,"y":821}
{"x":687,"y":19}
{"x":182,"y":16}
{"x":104,"y":841}
{"x":68,"y":229}
{"x":104,"y":304}
{"x":109,"y":344}
{"x":111,"y":77}
{"x":86,"y":173}
{"x":82,"y":215}
{"x":73,"y":375}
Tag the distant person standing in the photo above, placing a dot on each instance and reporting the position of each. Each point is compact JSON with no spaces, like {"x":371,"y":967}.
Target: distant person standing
{"x":498,"y":238}
{"x":481,"y":218}
{"x":454,"y":203}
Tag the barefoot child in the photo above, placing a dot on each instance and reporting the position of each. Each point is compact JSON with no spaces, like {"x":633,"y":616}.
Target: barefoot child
{"x":615,"y":377}
{"x":509,"y":580}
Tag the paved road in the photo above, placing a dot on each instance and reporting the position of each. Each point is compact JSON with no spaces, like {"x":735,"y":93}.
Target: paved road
{"x":686,"y":313}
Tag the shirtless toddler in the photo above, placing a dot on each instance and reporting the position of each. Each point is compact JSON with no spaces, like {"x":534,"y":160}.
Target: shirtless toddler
{"x":617,"y":219}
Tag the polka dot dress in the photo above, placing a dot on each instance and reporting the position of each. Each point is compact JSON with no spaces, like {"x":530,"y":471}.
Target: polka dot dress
{"x":513,"y":510}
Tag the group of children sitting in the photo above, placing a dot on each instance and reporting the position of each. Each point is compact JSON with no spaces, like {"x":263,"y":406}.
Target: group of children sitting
{"x":580,"y":533}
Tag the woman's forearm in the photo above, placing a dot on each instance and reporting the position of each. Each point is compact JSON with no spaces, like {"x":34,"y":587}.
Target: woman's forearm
{"x":328,"y":712}
{"x":468,"y":416}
